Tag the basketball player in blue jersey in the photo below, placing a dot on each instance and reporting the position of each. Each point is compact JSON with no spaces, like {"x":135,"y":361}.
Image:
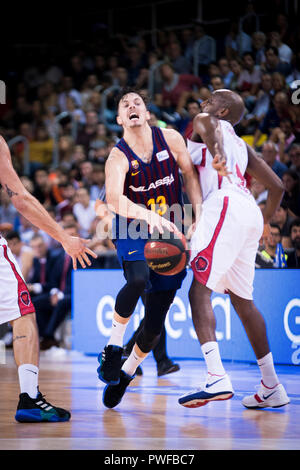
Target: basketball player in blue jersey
{"x":142,"y":184}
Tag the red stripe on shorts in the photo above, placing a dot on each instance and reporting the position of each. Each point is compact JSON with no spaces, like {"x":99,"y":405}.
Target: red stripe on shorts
{"x":201,"y":264}
{"x":24,"y":300}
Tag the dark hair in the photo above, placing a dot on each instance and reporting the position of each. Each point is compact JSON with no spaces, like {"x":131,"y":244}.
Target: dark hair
{"x":191,"y":101}
{"x":284,"y":205}
{"x":249,"y":53}
{"x":274,"y":49}
{"x":293,"y":175}
{"x":276,"y":226}
{"x":295,"y":223}
{"x":125,"y":91}
{"x":13,"y":234}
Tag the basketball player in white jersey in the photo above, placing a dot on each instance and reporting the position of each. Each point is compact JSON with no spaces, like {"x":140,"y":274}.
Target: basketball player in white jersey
{"x":224,"y":246}
{"x":15,"y":303}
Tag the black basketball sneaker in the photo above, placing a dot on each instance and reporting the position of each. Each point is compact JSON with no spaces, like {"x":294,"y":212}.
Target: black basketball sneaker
{"x":113,"y":394}
{"x":37,"y":410}
{"x":110,"y":361}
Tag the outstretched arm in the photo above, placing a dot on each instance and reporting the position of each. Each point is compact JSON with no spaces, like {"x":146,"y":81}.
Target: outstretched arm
{"x":30,"y":208}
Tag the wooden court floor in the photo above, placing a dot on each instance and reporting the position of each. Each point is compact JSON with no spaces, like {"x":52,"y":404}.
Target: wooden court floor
{"x":149,"y":416}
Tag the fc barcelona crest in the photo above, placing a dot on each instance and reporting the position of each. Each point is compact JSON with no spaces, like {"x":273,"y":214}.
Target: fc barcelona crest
{"x":135,"y":164}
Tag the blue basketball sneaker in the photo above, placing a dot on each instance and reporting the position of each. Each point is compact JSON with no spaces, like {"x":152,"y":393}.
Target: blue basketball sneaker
{"x":113,"y":394}
{"x":110,"y":361}
{"x":37,"y":410}
{"x":216,"y":388}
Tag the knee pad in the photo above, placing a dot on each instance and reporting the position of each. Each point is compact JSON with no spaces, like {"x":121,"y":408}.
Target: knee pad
{"x":147,"y":340}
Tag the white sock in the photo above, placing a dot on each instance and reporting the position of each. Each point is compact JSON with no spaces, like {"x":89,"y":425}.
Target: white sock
{"x":117,"y":333}
{"x":132,"y":363}
{"x":268,"y":374}
{"x":28,"y":379}
{"x":212,"y":358}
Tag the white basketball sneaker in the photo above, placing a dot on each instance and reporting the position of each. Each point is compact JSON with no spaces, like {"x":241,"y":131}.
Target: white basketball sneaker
{"x":267,"y":397}
{"x":216,"y":388}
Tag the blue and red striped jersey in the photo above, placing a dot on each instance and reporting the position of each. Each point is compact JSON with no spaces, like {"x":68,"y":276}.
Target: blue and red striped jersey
{"x":157,"y":184}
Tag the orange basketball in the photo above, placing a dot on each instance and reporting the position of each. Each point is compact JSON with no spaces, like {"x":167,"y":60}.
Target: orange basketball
{"x":168,"y":255}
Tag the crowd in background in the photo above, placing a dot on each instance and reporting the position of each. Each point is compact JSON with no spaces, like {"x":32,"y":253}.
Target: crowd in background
{"x":66,"y":117}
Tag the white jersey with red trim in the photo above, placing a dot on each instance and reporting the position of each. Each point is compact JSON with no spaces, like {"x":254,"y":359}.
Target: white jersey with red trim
{"x":237,"y":161}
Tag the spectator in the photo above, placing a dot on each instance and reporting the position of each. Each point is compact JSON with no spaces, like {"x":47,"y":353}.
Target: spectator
{"x":68,"y":90}
{"x":259,"y":191}
{"x":43,"y":187}
{"x":193,"y":108}
{"x":89,"y":131}
{"x":285,"y":53}
{"x":278,"y":82}
{"x":249,"y":78}
{"x":273,"y":63}
{"x":269,"y":153}
{"x":86,"y":173}
{"x":273,"y":116}
{"x":77,"y":71}
{"x":76,"y":113}
{"x":97,"y":190}
{"x":66,"y":205}
{"x":179,"y":63}
{"x":21,"y":252}
{"x":176,"y":89}
{"x":84,"y":211}
{"x":294,"y":156}
{"x":293,"y":260}
{"x":236,"y":68}
{"x":65,"y":150}
{"x":216,"y":83}
{"x":261,"y":107}
{"x":291,"y":182}
{"x":42,"y":267}
{"x":41,"y":147}
{"x":283,"y":136}
{"x":283,"y":219}
{"x":273,"y":249}
{"x":204,"y":49}
{"x":53,"y":307}
{"x":155,"y":121}
{"x":78,"y":154}
{"x":236,"y":42}
{"x":258,"y":47}
{"x":226,"y":74}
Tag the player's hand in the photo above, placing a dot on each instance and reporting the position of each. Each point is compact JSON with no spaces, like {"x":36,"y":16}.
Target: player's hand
{"x":155,"y":221}
{"x":219,"y":164}
{"x":191,"y":230}
{"x":77,"y":249}
{"x":266,"y":233}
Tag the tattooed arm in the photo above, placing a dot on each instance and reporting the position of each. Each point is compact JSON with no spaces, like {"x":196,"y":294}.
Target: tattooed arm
{"x":30,"y":208}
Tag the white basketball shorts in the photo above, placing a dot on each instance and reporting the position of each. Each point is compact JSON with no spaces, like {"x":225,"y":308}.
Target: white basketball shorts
{"x":225,"y":243}
{"x":15,"y":299}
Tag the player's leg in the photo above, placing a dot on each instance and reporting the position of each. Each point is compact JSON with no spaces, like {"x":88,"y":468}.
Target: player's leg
{"x":271,"y":392}
{"x":17,"y":308}
{"x":137,"y":276}
{"x":156,"y":307}
{"x":164,"y":363}
{"x":32,"y":406}
{"x":218,"y":385}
